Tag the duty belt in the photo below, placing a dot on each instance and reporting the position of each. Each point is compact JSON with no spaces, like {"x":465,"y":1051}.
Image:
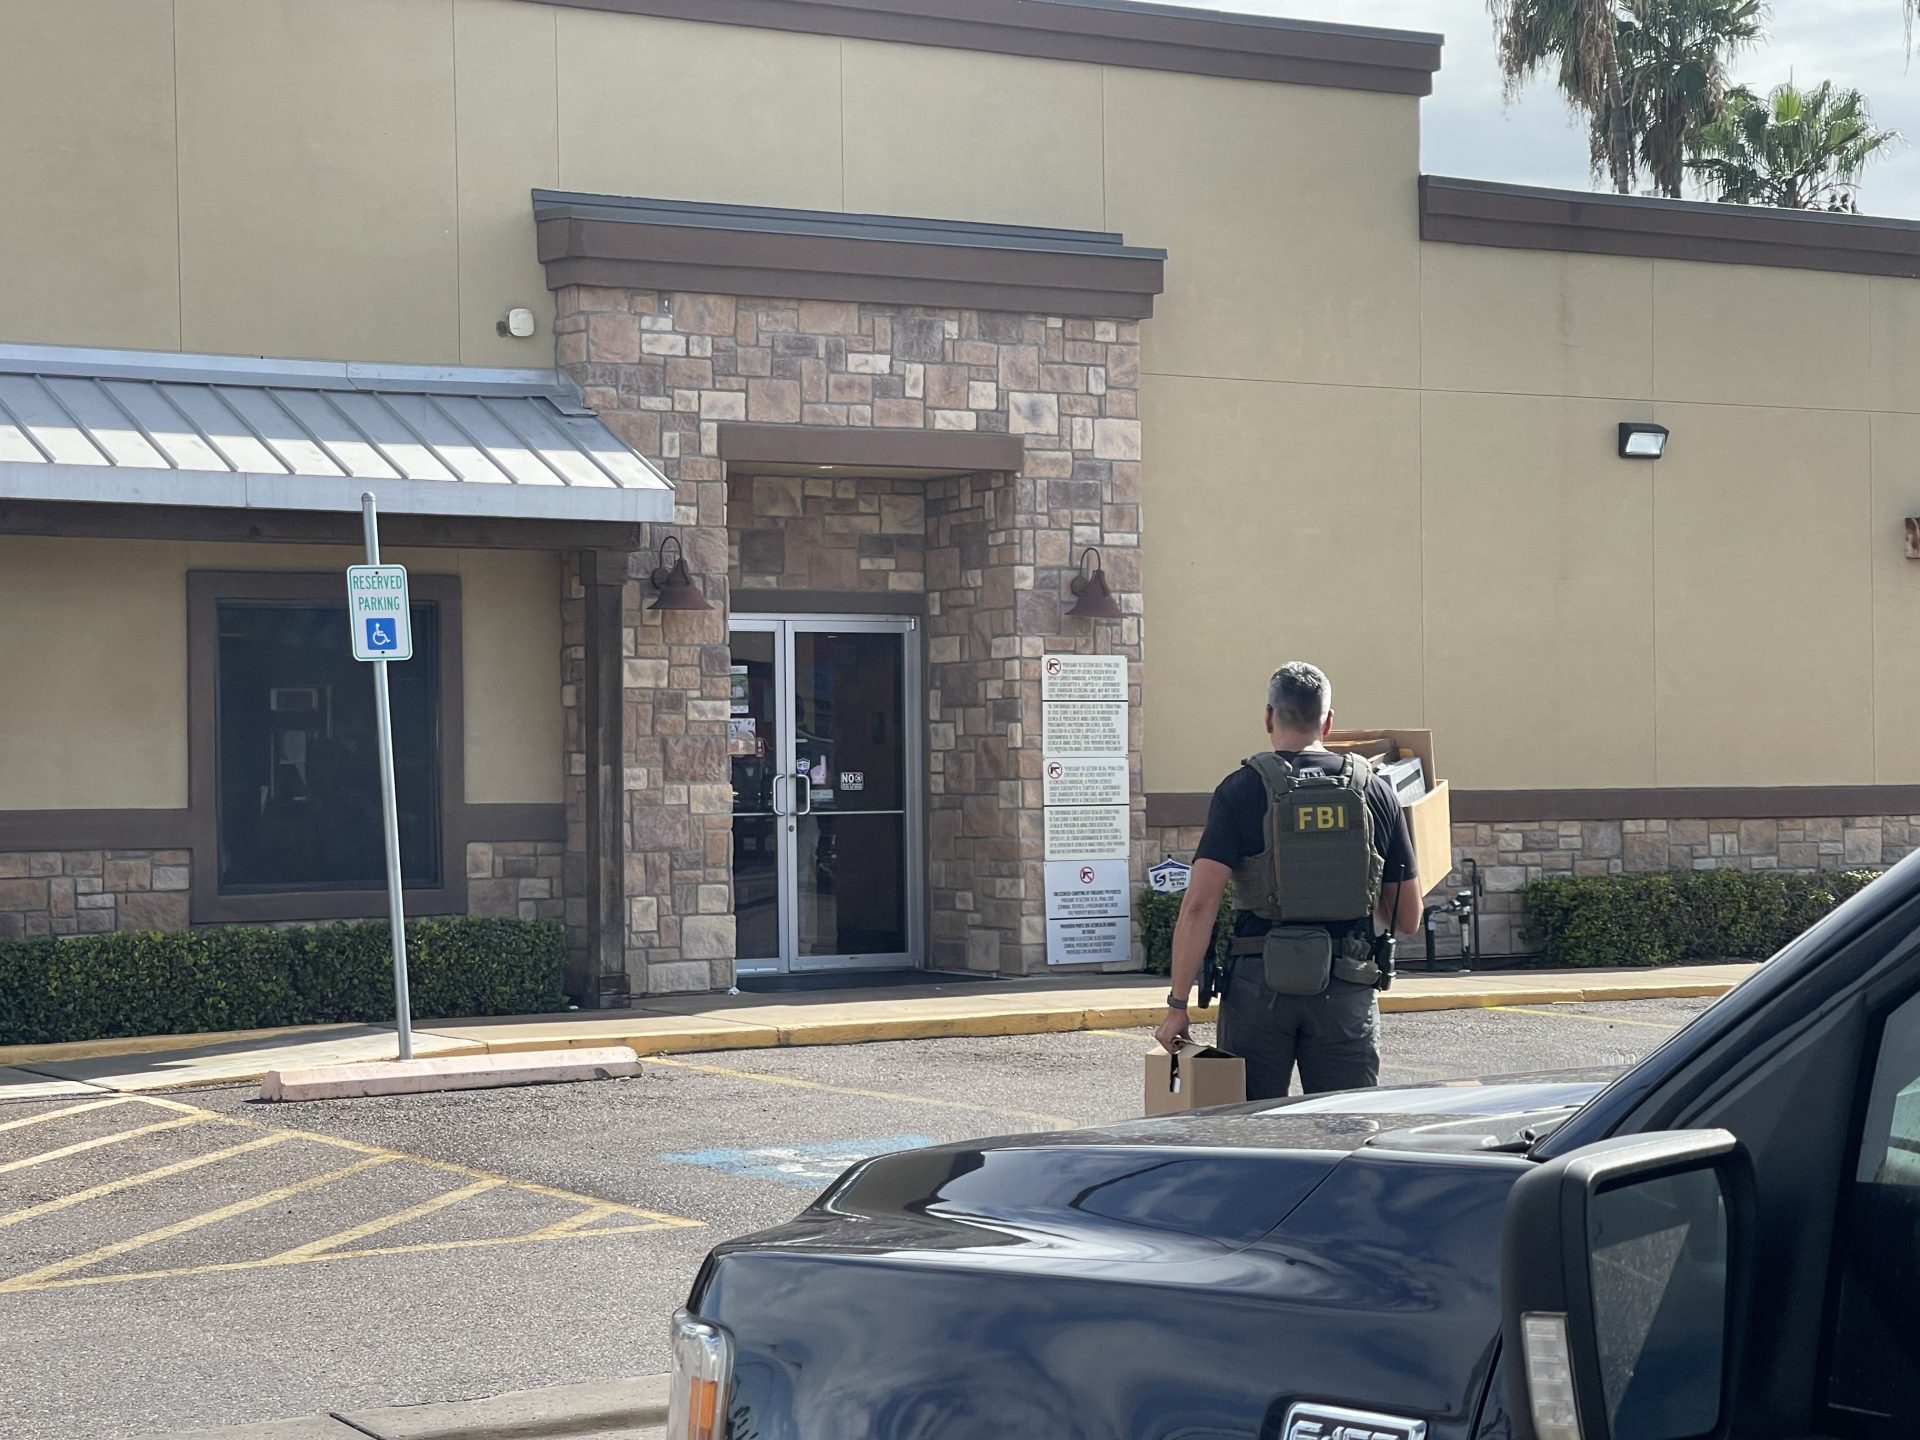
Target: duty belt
{"x":1354,"y":970}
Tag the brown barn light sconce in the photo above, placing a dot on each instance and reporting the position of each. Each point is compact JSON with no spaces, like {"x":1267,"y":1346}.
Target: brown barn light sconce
{"x":676,"y":586}
{"x":1096,"y":601}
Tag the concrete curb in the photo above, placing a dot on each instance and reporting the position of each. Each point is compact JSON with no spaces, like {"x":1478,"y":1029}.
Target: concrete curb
{"x":778,"y":1027}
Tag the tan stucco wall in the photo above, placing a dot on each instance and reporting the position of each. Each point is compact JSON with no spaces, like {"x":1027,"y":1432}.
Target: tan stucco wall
{"x":93,"y":684}
{"x":1394,"y":457}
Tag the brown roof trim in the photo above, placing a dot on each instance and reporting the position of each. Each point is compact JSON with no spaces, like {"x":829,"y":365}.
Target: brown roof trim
{"x":952,"y":452}
{"x":1098,"y":32}
{"x":1479,"y":212}
{"x":1752,"y":802}
{"x":823,"y":255}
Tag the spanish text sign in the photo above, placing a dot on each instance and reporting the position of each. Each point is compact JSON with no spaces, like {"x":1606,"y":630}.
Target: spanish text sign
{"x":378,"y":615}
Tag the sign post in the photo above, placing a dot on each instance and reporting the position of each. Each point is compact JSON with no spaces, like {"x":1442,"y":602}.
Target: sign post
{"x":381,"y":620}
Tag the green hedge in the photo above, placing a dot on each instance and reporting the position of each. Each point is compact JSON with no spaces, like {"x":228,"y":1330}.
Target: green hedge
{"x":100,"y":986}
{"x":1157,"y":916}
{"x":1678,"y":917}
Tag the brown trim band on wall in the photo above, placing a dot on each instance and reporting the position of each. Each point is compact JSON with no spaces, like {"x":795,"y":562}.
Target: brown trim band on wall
{"x":1097,"y":32}
{"x":950,"y":452}
{"x":514,"y":822}
{"x":1519,"y":217}
{"x":96,"y":830}
{"x":629,"y":241}
{"x":1755,"y":802}
{"x":27,"y":830}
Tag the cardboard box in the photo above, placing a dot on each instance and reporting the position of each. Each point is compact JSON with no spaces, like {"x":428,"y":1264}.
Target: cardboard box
{"x":1430,"y":818}
{"x":1203,"y":1076}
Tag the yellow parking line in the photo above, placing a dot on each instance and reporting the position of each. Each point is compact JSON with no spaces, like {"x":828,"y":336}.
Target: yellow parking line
{"x":573,"y":1222}
{"x":1050,"y":1122}
{"x":451,"y":1167}
{"x":75,"y":1282}
{"x":1575,"y":1015}
{"x":35,"y":1278}
{"x":80,"y":1146}
{"x":63,"y":1113}
{"x":387,"y":1222}
{"x":112,"y":1187}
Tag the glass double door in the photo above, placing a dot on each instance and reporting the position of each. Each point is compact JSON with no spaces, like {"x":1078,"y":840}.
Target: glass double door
{"x":824,"y":740}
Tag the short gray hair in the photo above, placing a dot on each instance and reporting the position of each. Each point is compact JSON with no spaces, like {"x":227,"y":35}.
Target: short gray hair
{"x":1300,"y":696}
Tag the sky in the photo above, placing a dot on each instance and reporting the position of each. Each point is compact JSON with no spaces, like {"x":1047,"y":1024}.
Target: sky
{"x":1468,"y":130}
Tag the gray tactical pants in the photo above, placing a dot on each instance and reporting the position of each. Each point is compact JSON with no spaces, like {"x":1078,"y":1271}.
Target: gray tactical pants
{"x":1334,"y":1036}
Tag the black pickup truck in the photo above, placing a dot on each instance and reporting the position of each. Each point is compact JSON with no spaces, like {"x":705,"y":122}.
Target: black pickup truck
{"x":1723,"y":1241}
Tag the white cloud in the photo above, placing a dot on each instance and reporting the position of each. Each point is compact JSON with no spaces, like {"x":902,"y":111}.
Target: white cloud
{"x":1466,"y":129}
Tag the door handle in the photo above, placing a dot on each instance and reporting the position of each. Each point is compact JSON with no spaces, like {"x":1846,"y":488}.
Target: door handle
{"x":777,"y":778}
{"x":803,"y":784}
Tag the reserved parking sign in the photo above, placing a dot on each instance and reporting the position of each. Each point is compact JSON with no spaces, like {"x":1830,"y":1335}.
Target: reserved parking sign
{"x":378,"y":614}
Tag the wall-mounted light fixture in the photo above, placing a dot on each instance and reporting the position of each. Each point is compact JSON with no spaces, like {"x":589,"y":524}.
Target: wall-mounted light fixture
{"x":1642,"y":440}
{"x":676,"y":586}
{"x":1096,"y":601}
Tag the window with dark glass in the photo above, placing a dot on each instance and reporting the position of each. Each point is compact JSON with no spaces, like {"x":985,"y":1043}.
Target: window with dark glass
{"x":298,"y":752}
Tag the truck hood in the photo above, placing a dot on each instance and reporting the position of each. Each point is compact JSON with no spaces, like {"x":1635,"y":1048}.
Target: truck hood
{"x":1188,"y":1274}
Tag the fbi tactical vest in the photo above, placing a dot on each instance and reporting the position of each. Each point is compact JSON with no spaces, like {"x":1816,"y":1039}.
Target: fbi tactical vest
{"x":1319,"y":866}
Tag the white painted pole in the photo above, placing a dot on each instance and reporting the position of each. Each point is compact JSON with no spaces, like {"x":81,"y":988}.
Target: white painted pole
{"x":390,"y":814}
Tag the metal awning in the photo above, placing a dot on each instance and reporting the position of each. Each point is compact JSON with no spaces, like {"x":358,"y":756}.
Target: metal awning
{"x":157,"y":428}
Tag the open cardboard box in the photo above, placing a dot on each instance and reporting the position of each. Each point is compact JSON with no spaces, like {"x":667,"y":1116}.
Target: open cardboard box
{"x":1430,"y":818}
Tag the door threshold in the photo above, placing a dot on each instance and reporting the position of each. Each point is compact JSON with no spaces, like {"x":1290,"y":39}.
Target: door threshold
{"x":856,"y":980}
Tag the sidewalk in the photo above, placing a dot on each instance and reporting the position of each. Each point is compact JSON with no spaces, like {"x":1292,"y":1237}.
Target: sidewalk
{"x":609,"y":1410}
{"x":665,"y":1025}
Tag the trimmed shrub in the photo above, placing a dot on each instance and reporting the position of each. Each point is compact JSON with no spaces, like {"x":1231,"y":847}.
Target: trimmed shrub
{"x":91,"y":987}
{"x":1679,"y":917}
{"x":1157,"y":916}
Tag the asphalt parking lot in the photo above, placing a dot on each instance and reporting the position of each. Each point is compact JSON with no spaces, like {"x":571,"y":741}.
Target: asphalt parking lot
{"x":198,"y":1258}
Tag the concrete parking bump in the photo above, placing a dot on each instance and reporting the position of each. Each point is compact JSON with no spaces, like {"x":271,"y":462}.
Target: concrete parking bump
{"x":607,"y":1410}
{"x":459,"y":1072}
{"x":591,"y":1217}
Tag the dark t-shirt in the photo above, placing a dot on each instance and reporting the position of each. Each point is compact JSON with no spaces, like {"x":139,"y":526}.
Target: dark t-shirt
{"x":1236,"y":825}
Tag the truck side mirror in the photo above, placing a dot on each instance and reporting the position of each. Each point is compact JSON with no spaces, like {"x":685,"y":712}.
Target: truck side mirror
{"x":1623,"y":1274}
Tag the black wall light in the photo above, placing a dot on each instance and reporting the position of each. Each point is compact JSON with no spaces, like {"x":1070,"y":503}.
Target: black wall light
{"x":676,"y":586}
{"x":1642,"y":440}
{"x":1096,"y":601}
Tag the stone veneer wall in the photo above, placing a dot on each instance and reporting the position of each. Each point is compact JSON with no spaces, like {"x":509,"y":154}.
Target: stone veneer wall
{"x":664,"y":370}
{"x":516,"y":879}
{"x":1512,"y":853}
{"x":861,"y":535}
{"x":88,"y":892}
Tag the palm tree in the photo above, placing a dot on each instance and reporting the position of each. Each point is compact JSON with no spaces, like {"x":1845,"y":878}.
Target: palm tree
{"x":1797,"y":149}
{"x":1673,"y":59}
{"x":1579,"y":38}
{"x":1647,"y":73}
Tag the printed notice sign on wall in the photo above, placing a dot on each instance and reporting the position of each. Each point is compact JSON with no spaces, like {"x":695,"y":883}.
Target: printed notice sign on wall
{"x":1085,"y":780}
{"x":1091,"y":728}
{"x":1088,"y":815}
{"x":1087,"y":832}
{"x":1086,"y":889}
{"x":1083,"y":677}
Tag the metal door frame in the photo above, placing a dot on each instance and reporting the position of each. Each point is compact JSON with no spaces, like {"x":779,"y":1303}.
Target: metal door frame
{"x":913,"y":787}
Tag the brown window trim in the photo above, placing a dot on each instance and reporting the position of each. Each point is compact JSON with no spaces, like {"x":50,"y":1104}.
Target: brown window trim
{"x":205,"y":589}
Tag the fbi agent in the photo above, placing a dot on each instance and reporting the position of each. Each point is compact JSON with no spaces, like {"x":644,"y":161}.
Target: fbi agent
{"x":1323,"y":873}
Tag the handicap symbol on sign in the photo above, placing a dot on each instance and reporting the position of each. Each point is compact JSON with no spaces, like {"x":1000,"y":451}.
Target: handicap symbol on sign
{"x":382,"y":635}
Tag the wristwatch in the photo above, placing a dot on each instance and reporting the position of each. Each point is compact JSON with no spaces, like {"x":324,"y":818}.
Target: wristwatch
{"x":1174,"y":1002}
